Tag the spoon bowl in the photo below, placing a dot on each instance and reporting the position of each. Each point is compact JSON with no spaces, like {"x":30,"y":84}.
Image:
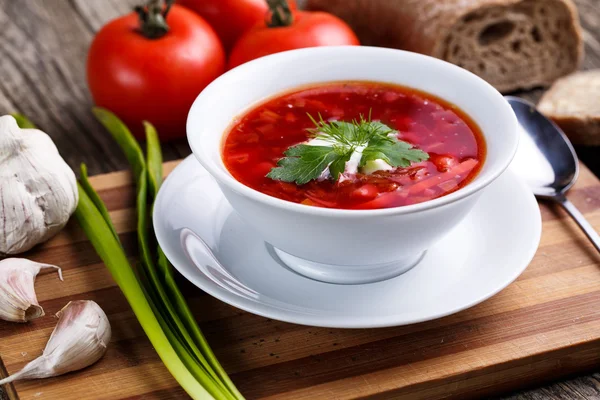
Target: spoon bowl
{"x":547,"y":160}
{"x":545,"y":157}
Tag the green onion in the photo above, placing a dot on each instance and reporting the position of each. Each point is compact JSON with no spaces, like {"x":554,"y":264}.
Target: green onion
{"x":101,"y":236}
{"x":152,"y":292}
{"x":85,"y":184}
{"x":155,"y":174}
{"x":23,"y":122}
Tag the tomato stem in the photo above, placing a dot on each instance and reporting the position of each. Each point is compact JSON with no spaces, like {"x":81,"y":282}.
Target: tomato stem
{"x":153,"y":18}
{"x":280,"y":14}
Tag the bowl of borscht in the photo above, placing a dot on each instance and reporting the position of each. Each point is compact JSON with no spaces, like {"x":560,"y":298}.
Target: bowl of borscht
{"x":350,"y":162}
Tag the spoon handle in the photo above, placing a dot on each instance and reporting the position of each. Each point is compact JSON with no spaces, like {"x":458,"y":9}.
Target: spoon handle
{"x":581,"y":221}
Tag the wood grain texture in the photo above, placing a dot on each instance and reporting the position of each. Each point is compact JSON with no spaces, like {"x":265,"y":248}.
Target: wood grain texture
{"x":43,"y":50}
{"x":42,"y":63}
{"x":543,"y":326}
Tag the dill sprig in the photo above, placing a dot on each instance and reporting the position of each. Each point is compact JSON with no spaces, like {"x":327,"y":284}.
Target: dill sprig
{"x":350,"y":134}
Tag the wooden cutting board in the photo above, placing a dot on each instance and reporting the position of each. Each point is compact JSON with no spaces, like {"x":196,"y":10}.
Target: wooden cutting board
{"x":543,"y":326}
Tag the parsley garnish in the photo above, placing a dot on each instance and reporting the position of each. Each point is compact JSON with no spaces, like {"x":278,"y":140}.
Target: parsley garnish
{"x":303,"y":163}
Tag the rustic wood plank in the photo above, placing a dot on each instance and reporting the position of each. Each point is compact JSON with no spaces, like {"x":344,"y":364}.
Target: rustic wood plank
{"x":586,"y":387}
{"x":42,"y":59}
{"x":515,"y":338}
{"x":9,"y":392}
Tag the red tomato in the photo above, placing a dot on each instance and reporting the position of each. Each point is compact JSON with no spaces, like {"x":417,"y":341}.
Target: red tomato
{"x":365,"y":192}
{"x":157,"y":80}
{"x":309,"y":29}
{"x":444,"y":162}
{"x":230,"y":18}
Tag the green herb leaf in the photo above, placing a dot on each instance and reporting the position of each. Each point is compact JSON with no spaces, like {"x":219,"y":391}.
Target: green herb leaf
{"x":351,"y":134}
{"x":337,"y":167}
{"x":393,"y":151}
{"x":303,"y":163}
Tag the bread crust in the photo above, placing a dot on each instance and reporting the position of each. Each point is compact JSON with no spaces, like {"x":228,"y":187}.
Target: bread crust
{"x":428,"y":26}
{"x":573,"y":103}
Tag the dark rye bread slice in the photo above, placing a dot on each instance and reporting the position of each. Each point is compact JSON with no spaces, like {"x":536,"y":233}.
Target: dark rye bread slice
{"x":573,"y":102}
{"x":513,"y":44}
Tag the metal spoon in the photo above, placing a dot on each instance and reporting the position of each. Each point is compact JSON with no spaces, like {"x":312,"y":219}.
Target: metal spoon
{"x":547,"y":161}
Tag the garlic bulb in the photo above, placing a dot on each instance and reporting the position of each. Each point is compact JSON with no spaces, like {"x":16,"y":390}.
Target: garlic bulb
{"x":79,"y":340}
{"x":38,"y":190}
{"x":18,"y":302}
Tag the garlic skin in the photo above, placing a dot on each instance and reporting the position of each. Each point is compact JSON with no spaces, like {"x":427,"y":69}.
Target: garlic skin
{"x":38,"y":190}
{"x":18,"y":302}
{"x":78,"y":340}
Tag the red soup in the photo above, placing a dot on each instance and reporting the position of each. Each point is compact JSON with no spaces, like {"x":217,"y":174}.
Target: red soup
{"x":446,"y":148}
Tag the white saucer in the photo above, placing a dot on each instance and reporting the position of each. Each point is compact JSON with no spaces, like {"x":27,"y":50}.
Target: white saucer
{"x":209,"y":245}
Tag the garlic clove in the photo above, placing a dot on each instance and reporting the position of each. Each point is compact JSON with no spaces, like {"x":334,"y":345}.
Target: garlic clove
{"x":79,"y":340}
{"x":18,"y":302}
{"x":38,"y":190}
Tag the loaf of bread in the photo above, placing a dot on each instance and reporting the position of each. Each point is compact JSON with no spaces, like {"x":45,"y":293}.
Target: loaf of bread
{"x":513,"y":44}
{"x":573,"y":102}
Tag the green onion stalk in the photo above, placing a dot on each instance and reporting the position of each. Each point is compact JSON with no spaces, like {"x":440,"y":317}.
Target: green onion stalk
{"x":150,"y":288}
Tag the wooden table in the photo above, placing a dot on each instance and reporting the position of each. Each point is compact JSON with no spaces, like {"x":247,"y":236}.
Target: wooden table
{"x":42,"y":60}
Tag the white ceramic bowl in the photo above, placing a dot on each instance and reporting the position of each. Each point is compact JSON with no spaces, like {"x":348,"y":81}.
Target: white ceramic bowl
{"x":349,"y":246}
